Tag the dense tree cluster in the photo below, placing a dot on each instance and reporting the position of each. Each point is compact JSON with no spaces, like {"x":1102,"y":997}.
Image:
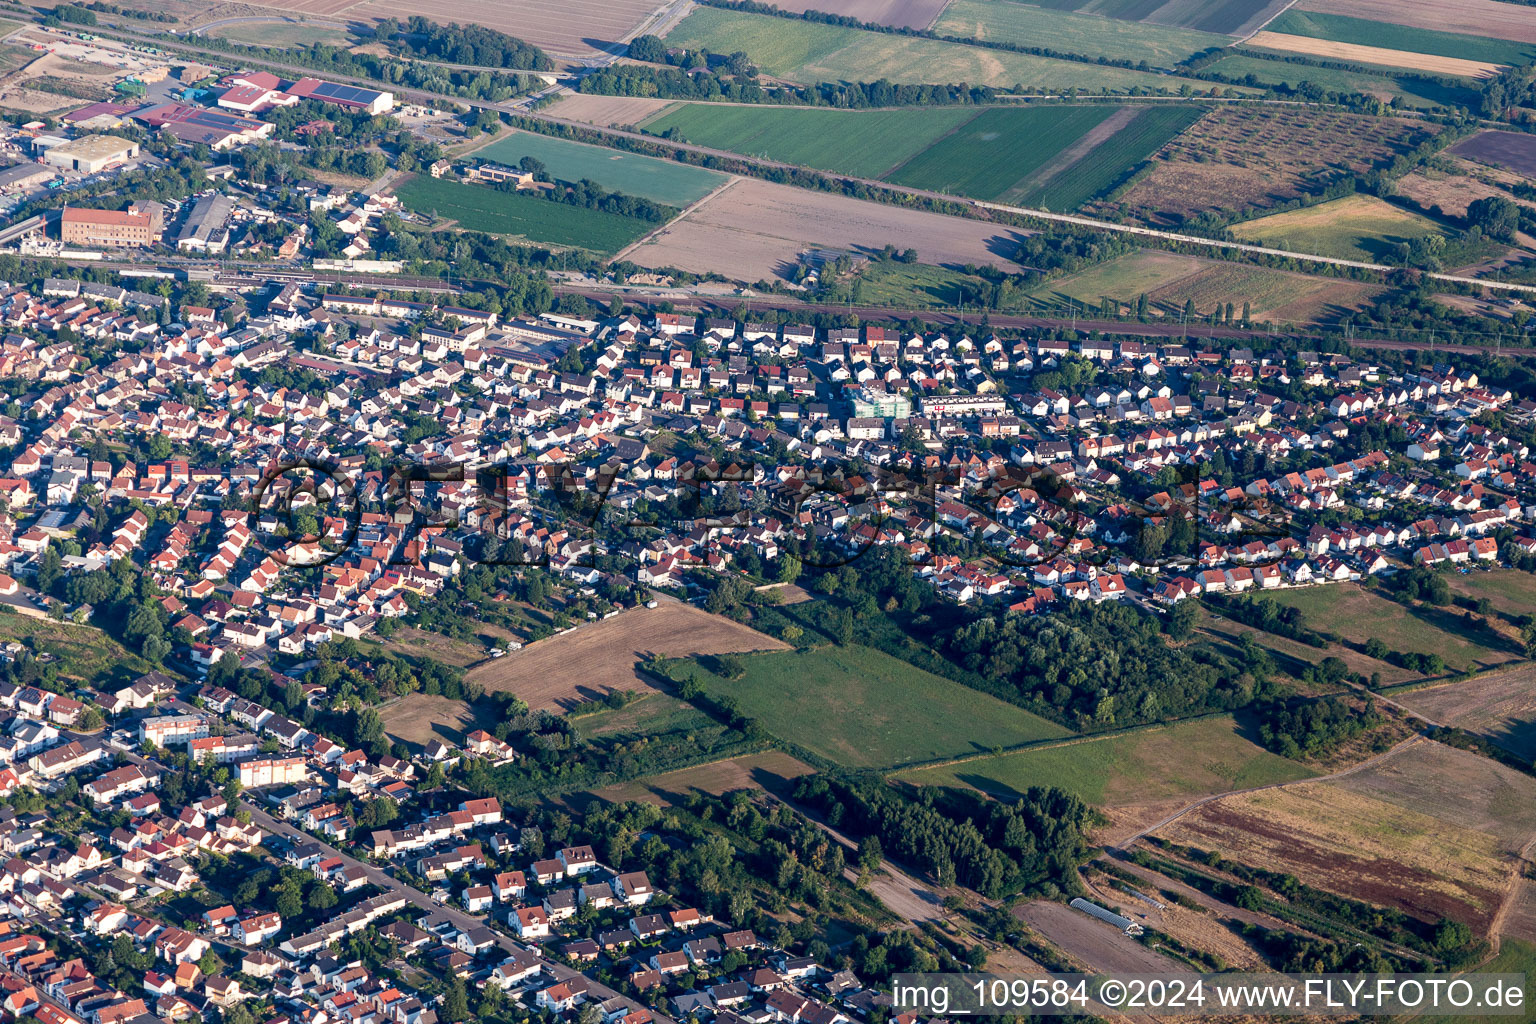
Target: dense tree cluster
{"x":474,"y":45}
{"x":1310,"y":728}
{"x":998,"y":848}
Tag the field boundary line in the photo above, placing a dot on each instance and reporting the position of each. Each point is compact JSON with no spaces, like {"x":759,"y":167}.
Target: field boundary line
{"x":1074,"y":154}
{"x":931,"y":143}
{"x":1398,"y":748}
{"x":1263,"y":24}
{"x":632,"y":246}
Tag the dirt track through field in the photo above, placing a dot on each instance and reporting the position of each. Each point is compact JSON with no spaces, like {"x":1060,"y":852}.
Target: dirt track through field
{"x":1354,"y":53}
{"x":1068,"y":158}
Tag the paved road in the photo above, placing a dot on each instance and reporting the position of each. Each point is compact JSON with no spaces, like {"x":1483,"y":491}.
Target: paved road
{"x":457,"y":917}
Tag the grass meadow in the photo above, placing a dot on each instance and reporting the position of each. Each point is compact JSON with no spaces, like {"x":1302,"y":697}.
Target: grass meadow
{"x":526,"y":216}
{"x":661,"y":181}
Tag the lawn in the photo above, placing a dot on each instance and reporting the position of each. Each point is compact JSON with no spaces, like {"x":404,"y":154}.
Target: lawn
{"x":1189,"y":759}
{"x":1113,"y":160}
{"x":1363,"y":32}
{"x":79,"y":652}
{"x":1406,"y":90}
{"x":662,"y":181}
{"x":998,"y":148}
{"x":865,"y":709}
{"x":1357,"y":227}
{"x":808,"y":52}
{"x":1358,"y":615}
{"x":866,"y":143}
{"x":1065,"y":32}
{"x":507,"y":213}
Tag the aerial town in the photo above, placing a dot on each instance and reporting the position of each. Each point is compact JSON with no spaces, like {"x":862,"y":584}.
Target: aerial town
{"x":597,"y":518}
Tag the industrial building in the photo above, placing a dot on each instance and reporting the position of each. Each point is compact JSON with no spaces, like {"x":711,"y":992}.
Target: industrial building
{"x":218,"y":129}
{"x":205,"y":229}
{"x":355,"y":97}
{"x":24,"y":176}
{"x":138,"y":226}
{"x":91,"y":153}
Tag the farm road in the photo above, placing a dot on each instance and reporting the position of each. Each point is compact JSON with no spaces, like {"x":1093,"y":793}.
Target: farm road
{"x":1176,"y":815}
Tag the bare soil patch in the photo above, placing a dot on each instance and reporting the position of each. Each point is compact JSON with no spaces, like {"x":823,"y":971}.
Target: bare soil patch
{"x":1498,"y":705}
{"x":594,"y":660}
{"x":417,"y":718}
{"x":1354,"y":53}
{"x":772,"y":770}
{"x":895,"y":13}
{"x":1432,"y":831}
{"x":1511,"y":150}
{"x":754,"y":230}
{"x":1469,"y":17}
{"x":609,"y":111}
{"x":1202,"y":931}
{"x":1093,"y":943}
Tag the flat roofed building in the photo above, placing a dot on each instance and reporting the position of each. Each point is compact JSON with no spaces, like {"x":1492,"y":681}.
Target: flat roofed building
{"x":92,"y":153}
{"x":138,"y":226}
{"x":204,"y":228}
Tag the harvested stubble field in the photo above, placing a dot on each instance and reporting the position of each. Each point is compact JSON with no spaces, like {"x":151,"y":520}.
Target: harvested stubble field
{"x":1355,"y":53}
{"x":772,"y":770}
{"x":1494,"y":19}
{"x":1511,"y":150}
{"x":1499,"y":705}
{"x":1235,"y":158}
{"x":609,"y":111}
{"x":754,"y":230}
{"x":418,"y":718}
{"x":1432,"y":831}
{"x":323,"y":8}
{"x":1453,"y":193}
{"x":563,"y":27}
{"x":597,"y":659}
{"x":1068,"y":32}
{"x":809,"y":52}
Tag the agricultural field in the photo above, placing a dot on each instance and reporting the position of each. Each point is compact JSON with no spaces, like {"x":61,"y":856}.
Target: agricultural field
{"x":808,"y":52}
{"x":576,"y":28}
{"x":661,"y":181}
{"x":522,"y":215}
{"x":1293,"y":657}
{"x":895,"y":13}
{"x":1356,"y":227}
{"x":772,"y":770}
{"x":754,"y":230}
{"x":1170,"y":280}
{"x":1182,"y":762}
{"x":1499,"y":705}
{"x":1430,"y":830}
{"x":1510,"y":150}
{"x":1453,"y":193}
{"x":609,"y":111}
{"x":1512,"y":591}
{"x":1001,"y":149}
{"x":1365,"y":32}
{"x":1066,"y":32}
{"x":1249,"y":158}
{"x":1357,"y":615}
{"x":865,"y":709}
{"x":865,"y":143}
{"x":284,"y":33}
{"x":1354,"y":53}
{"x":1093,"y":944}
{"x":573,"y":668}
{"x":1109,"y":163}
{"x":1492,"y":19}
{"x":1408,"y":91}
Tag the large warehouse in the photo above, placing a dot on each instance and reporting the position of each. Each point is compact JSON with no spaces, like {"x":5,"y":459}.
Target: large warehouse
{"x":91,"y":153}
{"x":356,"y":97}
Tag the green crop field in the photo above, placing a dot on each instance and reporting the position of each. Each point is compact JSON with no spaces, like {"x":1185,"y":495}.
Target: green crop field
{"x":1355,"y":228}
{"x":865,"y":709}
{"x":507,"y":213}
{"x":997,"y":149}
{"x":1186,"y":760}
{"x":804,"y":51}
{"x":1361,"y":32}
{"x":866,"y":143}
{"x":1407,"y":90}
{"x":1358,"y":615}
{"x":1065,"y":32}
{"x":662,"y":181}
{"x":1113,"y":160}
